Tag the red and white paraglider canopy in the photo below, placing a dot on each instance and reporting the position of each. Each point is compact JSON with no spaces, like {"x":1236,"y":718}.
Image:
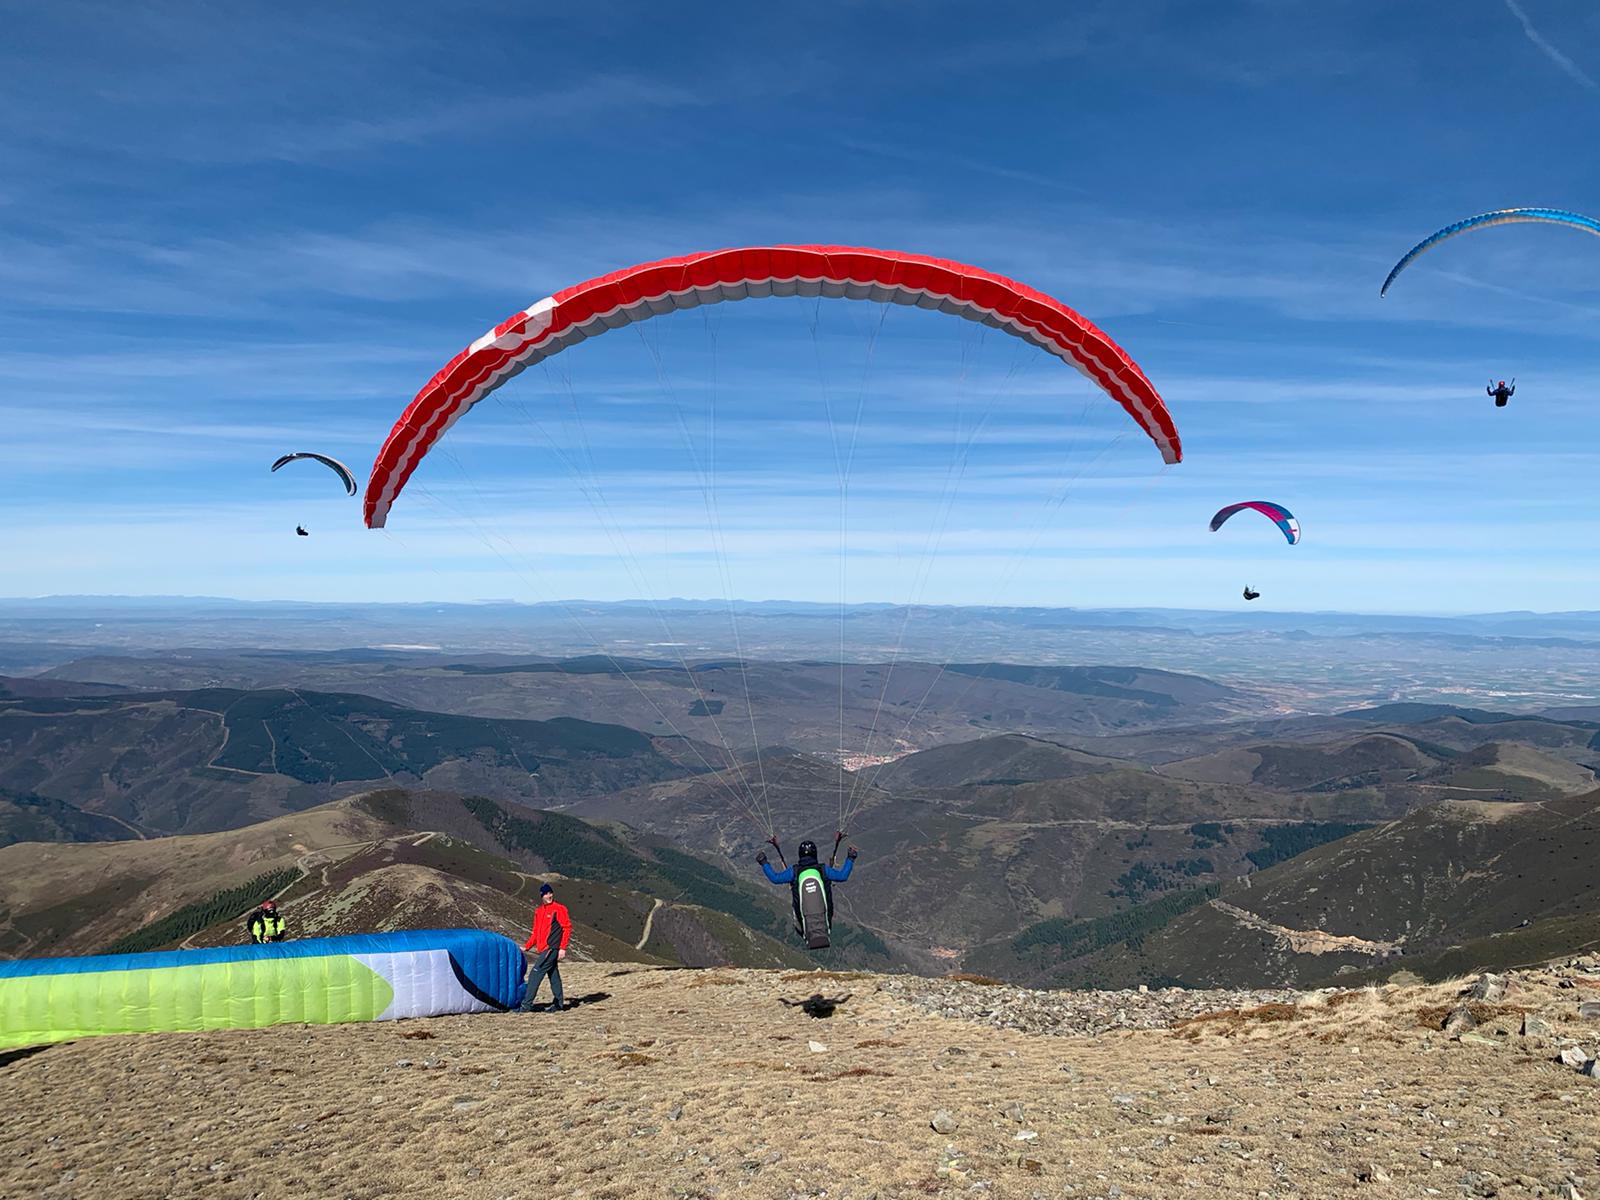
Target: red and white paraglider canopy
{"x":843,"y":272}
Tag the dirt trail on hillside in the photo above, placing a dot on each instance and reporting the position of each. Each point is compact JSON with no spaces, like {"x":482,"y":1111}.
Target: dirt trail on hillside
{"x":685,"y":1083}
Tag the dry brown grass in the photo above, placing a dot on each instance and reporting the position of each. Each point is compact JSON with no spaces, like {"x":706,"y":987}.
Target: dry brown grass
{"x":1433,"y":1016}
{"x":710,"y":979}
{"x":1232,"y":1021}
{"x":570,"y":1105}
{"x":632,"y":1058}
{"x":1390,"y":1015}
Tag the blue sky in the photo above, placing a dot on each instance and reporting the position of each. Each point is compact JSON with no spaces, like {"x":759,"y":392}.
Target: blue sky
{"x":231,"y":231}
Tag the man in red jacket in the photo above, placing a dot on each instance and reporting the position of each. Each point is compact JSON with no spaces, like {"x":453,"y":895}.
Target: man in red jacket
{"x":550,"y":950}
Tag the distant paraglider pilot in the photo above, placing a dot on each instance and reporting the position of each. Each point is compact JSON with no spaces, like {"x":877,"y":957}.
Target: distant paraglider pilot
{"x":266,"y":925}
{"x":1502,"y":392}
{"x":548,"y":947}
{"x":811,"y":889}
{"x":301,"y":531}
{"x":1248,"y":594}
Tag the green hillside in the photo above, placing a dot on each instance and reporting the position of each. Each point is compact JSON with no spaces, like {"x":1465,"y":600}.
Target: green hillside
{"x":213,"y":758}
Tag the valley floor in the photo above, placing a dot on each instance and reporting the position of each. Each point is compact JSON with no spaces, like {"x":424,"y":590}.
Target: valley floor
{"x":679,"y":1083}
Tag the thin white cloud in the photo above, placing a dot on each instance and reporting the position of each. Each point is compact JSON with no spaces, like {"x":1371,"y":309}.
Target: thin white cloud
{"x":586,"y":103}
{"x":1542,"y":43}
{"x":1116,"y":270}
{"x":960,"y":162}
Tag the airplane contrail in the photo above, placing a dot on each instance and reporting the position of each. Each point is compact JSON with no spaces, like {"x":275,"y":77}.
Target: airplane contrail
{"x":1549,"y":51}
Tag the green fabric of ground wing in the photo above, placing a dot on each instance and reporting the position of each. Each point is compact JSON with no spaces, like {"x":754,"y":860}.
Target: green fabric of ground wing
{"x":247,"y":994}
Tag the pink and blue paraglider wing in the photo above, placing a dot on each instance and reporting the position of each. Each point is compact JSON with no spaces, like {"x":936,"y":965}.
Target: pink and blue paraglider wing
{"x":1276,"y":513}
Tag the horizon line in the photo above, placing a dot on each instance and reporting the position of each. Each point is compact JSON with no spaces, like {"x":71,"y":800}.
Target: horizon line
{"x":725,"y":602}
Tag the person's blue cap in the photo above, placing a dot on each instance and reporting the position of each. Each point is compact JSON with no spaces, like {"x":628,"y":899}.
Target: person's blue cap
{"x":545,"y":889}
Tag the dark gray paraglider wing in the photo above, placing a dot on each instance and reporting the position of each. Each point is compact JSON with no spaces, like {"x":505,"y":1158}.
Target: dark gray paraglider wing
{"x":333,"y":464}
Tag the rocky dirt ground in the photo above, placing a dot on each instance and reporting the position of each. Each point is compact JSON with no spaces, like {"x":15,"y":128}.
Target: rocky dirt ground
{"x":678,"y":1083}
